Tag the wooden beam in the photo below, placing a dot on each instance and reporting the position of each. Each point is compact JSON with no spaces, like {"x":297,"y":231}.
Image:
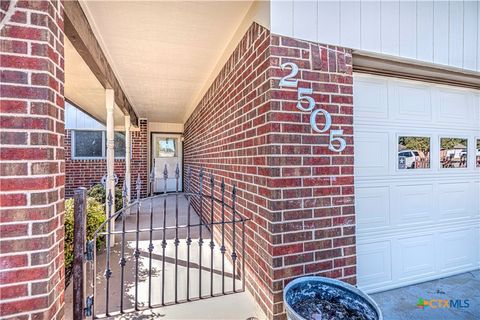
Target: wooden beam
{"x":379,"y":64}
{"x":81,"y":35}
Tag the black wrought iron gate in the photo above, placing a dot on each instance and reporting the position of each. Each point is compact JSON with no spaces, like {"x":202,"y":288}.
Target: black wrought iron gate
{"x":165,"y":249}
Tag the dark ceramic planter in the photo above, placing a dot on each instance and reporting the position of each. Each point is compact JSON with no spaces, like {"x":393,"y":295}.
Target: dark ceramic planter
{"x":299,"y":292}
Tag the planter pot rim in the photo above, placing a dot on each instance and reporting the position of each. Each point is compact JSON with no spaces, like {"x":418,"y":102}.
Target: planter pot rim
{"x":327,"y":281}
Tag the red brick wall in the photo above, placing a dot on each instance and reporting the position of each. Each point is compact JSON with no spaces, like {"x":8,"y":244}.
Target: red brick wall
{"x":32,"y":161}
{"x":86,"y":173}
{"x":311,"y":188}
{"x":298,"y":194}
{"x":139,"y":163}
{"x":226,"y":135}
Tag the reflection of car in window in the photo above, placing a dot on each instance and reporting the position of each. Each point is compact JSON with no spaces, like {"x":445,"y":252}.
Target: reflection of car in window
{"x":411,"y":158}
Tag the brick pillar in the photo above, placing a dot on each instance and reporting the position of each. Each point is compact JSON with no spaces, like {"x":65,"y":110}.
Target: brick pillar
{"x":139,"y":165}
{"x":311,"y":187}
{"x":298,"y":193}
{"x":32,"y":160}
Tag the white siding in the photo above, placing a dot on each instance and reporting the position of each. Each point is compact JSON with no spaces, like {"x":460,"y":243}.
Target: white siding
{"x":424,"y":31}
{"x":330,"y":13}
{"x":77,"y":119}
{"x":390,"y":27}
{"x":442,"y":32}
{"x":371,"y":25}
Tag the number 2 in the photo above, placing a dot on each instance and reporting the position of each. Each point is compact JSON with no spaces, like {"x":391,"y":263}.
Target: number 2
{"x":286,"y":81}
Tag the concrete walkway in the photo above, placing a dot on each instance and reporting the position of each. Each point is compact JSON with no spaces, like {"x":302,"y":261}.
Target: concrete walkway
{"x":211,"y":308}
{"x":401,"y":304}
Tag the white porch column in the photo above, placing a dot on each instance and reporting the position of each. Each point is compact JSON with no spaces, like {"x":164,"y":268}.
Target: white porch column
{"x":109,"y":103}
{"x":128,"y":153}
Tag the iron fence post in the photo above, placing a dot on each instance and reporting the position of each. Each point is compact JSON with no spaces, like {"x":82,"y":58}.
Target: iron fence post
{"x":79,"y":250}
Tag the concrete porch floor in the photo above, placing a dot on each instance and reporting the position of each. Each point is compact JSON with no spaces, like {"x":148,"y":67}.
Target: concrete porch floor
{"x":401,"y":303}
{"x":233,"y":306}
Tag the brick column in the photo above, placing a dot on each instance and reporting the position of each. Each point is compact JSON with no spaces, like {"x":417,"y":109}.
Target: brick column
{"x":298,"y":193}
{"x":311,"y":187}
{"x":32,"y":160}
{"x":140,"y":157}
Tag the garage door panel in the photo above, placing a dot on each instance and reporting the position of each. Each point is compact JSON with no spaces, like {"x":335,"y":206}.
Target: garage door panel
{"x":374,"y":263}
{"x":414,"y":204}
{"x":414,"y":257}
{"x":371,"y":156}
{"x":476,"y":199}
{"x":372,"y":207}
{"x":455,"y":107}
{"x":413,"y":103}
{"x":425,"y":220}
{"x":457,"y":251}
{"x":371,"y":98}
{"x":454,"y":200}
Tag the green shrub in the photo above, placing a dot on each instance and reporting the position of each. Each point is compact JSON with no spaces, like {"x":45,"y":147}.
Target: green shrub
{"x":99,"y":193}
{"x":95,"y":217}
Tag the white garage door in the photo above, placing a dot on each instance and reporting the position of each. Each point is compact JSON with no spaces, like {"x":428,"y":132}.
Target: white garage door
{"x":417,"y":181}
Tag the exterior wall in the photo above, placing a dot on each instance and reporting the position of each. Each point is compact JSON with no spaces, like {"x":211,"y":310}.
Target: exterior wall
{"x":226,"y":135}
{"x":441,"y":32}
{"x":311,"y":188}
{"x":298,"y":194}
{"x":77,"y":119}
{"x":86,"y":173}
{"x":32,"y":161}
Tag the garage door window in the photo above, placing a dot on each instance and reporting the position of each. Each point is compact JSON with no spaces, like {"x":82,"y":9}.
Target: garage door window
{"x":413,"y":152}
{"x":453,"y":152}
{"x":477,"y":156}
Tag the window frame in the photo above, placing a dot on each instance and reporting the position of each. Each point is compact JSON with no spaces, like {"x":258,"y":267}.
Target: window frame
{"x":104,"y":145}
{"x":475,"y":139}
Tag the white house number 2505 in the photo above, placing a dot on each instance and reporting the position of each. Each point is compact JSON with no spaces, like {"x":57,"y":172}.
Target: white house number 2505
{"x":303,"y":96}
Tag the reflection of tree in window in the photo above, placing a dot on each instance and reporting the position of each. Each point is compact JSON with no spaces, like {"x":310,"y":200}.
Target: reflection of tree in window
{"x":453,"y":152}
{"x":166,"y":147}
{"x":478,"y":153}
{"x":416,"y":150}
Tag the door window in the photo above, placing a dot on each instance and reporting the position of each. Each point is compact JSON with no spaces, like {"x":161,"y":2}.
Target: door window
{"x":166,"y":147}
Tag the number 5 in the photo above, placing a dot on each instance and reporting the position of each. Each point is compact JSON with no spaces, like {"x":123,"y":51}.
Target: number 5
{"x":301,"y":96}
{"x":340,"y":140}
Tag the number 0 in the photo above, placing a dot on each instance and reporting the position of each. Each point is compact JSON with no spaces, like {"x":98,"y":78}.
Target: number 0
{"x":313,"y":120}
{"x":286,"y":81}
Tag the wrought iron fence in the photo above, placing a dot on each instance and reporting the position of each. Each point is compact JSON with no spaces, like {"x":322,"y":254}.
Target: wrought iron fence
{"x":145,"y":221}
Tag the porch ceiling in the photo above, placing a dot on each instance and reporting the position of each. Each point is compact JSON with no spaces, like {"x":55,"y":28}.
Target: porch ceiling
{"x":163,"y":52}
{"x":83,"y":89}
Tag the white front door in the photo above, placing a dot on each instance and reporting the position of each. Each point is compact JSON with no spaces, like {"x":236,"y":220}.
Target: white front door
{"x":167,"y":150}
{"x":417,"y":181}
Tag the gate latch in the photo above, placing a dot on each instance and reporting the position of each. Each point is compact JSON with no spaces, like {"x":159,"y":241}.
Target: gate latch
{"x":88,"y":307}
{"x":89,"y":253}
